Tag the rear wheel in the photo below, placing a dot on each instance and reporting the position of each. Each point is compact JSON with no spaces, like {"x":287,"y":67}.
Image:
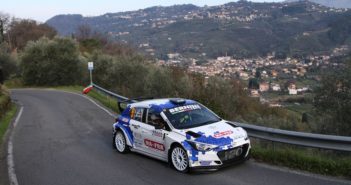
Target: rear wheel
{"x":120,"y":142}
{"x":179,"y":159}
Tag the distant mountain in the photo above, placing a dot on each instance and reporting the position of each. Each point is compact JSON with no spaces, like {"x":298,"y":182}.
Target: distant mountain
{"x":241,"y":29}
{"x":330,"y":3}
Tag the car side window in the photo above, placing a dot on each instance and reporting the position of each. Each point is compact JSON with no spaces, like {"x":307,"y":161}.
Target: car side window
{"x":154,"y":118}
{"x":137,"y":114}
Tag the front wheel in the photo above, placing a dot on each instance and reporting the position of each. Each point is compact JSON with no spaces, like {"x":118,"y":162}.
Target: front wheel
{"x":179,"y":159}
{"x":120,"y":142}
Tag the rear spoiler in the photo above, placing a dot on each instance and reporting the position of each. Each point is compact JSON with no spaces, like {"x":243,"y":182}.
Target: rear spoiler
{"x":128,"y":101}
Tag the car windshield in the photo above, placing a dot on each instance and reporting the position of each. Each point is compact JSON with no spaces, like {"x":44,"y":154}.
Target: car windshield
{"x":189,"y":116}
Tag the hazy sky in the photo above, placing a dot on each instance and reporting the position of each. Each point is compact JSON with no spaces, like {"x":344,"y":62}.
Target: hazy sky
{"x":41,"y":10}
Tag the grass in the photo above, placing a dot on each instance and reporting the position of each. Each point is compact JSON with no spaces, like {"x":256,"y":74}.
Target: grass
{"x":6,"y":120}
{"x":301,"y":108}
{"x":104,"y":99}
{"x":14,"y":83}
{"x":312,"y":160}
{"x":3,"y":100}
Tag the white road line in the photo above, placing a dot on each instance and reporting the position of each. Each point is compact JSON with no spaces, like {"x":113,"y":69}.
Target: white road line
{"x":10,"y":160}
{"x":86,"y":97}
{"x":94,"y":102}
{"x":101,"y":107}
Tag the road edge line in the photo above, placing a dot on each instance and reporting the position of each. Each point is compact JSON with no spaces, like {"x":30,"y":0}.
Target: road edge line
{"x":10,"y":159}
{"x":93,"y":101}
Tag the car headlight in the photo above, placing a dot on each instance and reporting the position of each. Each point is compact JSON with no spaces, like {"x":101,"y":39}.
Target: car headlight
{"x":202,"y":146}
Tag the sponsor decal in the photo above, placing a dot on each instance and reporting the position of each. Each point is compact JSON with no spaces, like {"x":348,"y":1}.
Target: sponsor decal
{"x":157,"y":133}
{"x":154,"y":145}
{"x":222,"y":134}
{"x":184,"y":109}
{"x":126,"y":120}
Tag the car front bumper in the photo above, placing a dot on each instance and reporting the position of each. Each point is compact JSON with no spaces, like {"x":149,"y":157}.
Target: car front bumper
{"x":218,"y":159}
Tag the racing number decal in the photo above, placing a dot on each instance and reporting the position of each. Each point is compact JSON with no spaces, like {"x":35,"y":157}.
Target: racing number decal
{"x":154,"y":145}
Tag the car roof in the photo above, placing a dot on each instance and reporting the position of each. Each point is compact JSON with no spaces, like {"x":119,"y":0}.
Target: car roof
{"x":165,"y":103}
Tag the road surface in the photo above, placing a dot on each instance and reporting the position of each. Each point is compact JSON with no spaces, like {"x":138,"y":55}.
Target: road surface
{"x":63,"y":138}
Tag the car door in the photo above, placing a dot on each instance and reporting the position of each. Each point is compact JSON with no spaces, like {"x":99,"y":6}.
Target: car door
{"x":154,"y":137}
{"x":137,"y":124}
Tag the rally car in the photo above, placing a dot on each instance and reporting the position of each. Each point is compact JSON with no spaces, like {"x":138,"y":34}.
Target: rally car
{"x":182,"y":132}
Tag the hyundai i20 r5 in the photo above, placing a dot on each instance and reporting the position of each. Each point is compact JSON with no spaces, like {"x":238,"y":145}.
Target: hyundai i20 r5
{"x":182,"y":132}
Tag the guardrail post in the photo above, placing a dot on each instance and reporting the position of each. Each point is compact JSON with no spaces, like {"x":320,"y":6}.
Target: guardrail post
{"x":273,"y":146}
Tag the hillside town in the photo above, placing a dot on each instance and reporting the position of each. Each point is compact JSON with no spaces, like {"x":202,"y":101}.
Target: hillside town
{"x":275,"y":75}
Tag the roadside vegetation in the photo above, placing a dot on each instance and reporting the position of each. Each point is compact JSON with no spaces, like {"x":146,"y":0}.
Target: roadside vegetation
{"x":7,"y":111}
{"x":47,"y":60}
{"x":6,"y":119}
{"x":5,"y":101}
{"x":312,"y":160}
{"x":104,"y":99}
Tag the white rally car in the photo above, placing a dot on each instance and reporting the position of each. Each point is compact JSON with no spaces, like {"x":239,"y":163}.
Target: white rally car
{"x":182,"y":132}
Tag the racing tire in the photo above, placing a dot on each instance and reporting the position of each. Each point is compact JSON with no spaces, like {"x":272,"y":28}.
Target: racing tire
{"x":113,"y":141}
{"x":179,"y":159}
{"x":120,"y":142}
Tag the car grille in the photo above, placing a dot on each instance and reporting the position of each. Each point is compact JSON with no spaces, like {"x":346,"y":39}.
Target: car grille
{"x":232,"y":155}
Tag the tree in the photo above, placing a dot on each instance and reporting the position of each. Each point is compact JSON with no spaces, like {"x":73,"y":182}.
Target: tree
{"x":258,"y":74}
{"x":253,"y":83}
{"x":51,"y":62}
{"x":333,"y":101}
{"x":90,"y":40}
{"x":22,"y":31}
{"x":304,"y":118}
{"x":4,"y":22}
{"x":1,"y":76}
{"x":8,"y":63}
{"x":84,"y":32}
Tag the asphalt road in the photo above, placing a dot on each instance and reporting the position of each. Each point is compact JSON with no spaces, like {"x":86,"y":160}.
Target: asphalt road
{"x":64,"y":138}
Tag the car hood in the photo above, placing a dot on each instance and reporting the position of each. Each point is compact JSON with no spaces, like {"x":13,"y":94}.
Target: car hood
{"x":219,"y":133}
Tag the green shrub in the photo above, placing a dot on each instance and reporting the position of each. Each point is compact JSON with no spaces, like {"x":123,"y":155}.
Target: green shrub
{"x":8,"y":63}
{"x":51,"y":62}
{"x":5,"y":101}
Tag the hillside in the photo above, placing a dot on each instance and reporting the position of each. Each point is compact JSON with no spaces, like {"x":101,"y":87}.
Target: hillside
{"x":330,"y":3}
{"x":240,"y":29}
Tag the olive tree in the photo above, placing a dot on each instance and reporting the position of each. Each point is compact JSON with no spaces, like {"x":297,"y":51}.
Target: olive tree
{"x":51,"y":62}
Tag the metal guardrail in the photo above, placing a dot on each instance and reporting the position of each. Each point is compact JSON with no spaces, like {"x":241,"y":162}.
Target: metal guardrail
{"x":112,"y":94}
{"x":329,"y":142}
